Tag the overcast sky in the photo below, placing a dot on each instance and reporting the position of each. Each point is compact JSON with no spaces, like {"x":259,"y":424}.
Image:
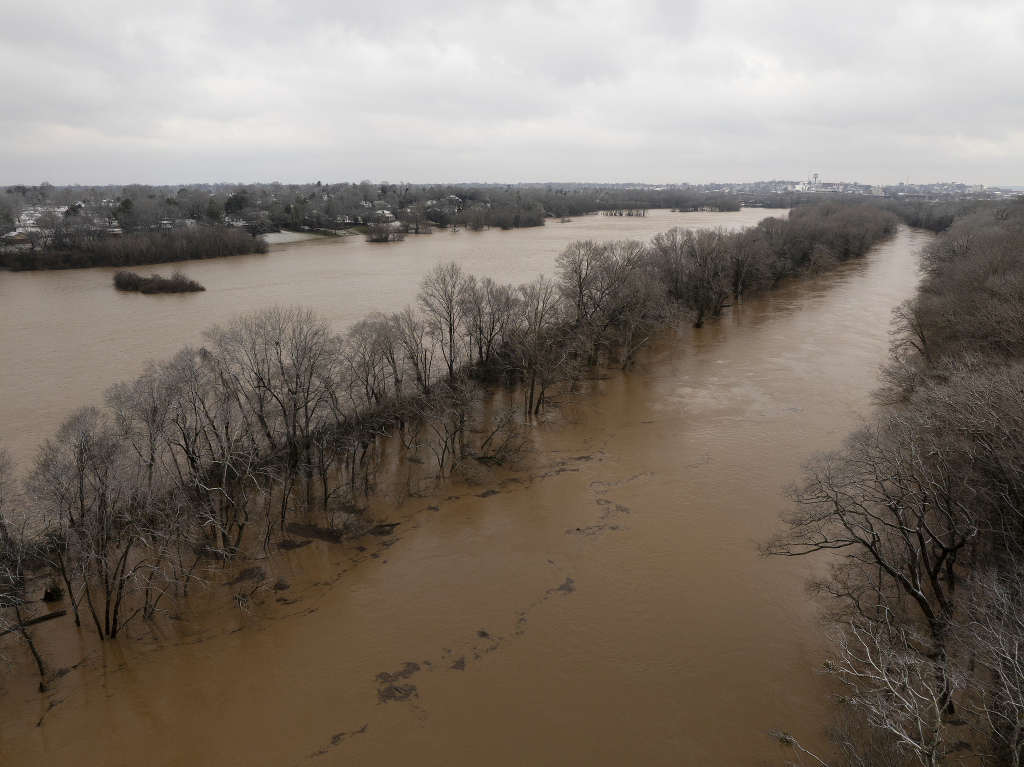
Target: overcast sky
{"x":99,"y":92}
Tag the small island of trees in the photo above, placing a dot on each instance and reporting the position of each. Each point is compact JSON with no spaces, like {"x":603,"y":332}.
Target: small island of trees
{"x":178,"y":282}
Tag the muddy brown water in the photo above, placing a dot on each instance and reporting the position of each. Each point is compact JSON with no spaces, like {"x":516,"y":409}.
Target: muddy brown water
{"x":66,"y":336}
{"x":605,"y":606}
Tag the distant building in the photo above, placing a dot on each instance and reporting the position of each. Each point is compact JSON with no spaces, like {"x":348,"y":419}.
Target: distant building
{"x":17,"y":238}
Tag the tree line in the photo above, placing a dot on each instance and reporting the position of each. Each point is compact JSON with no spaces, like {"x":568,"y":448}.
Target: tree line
{"x":73,"y":226}
{"x":81,"y":245}
{"x":213,"y":455}
{"x":938,"y":216}
{"x":922,"y":515}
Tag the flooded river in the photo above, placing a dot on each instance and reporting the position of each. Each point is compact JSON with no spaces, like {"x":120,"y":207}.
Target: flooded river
{"x":605,"y":606}
{"x":66,"y":336}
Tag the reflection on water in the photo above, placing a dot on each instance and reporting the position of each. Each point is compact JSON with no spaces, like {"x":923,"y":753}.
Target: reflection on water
{"x":606,"y":607}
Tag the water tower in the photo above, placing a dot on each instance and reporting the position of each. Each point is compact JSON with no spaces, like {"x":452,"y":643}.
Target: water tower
{"x":815,"y":179}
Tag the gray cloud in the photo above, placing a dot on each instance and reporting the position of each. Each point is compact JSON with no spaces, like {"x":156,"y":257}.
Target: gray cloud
{"x":105,"y":92}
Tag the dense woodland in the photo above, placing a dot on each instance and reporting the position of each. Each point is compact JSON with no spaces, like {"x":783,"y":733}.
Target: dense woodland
{"x":208,"y":459}
{"x":922,"y":517}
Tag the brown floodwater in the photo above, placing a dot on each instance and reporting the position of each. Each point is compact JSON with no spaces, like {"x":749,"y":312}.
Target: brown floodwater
{"x":605,"y":606}
{"x":66,"y":336}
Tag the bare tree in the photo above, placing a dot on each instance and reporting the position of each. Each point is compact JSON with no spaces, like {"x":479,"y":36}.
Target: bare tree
{"x":439,"y":297}
{"x":668,"y":252}
{"x":748,"y":252}
{"x":502,"y":437}
{"x":607,"y":287}
{"x":893,"y":684}
{"x":584,"y":287}
{"x":102,"y":532}
{"x":894,"y":506}
{"x":16,"y":543}
{"x":538,"y":353}
{"x":707,"y":256}
{"x":412,"y":337}
{"x":279,"y":363}
{"x":640,"y":309}
{"x":990,"y":635}
{"x":60,"y":489}
{"x":141,"y":411}
{"x":214,"y":463}
{"x":446,"y":411}
{"x":487,"y":310}
{"x":856,"y":742}
{"x":365,"y":355}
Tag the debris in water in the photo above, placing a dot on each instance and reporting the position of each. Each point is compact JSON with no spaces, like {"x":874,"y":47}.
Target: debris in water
{"x":399,"y":693}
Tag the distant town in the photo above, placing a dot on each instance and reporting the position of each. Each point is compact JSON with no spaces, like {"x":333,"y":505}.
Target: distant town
{"x":939,"y":191}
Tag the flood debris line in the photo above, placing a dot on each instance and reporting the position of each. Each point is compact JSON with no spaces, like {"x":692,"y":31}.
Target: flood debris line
{"x":392,"y":686}
{"x":312,"y":532}
{"x":334,"y":535}
{"x":33,"y":621}
{"x":608,"y":519}
{"x":391,"y":690}
{"x":338,"y":739}
{"x":395,"y":687}
{"x":566,"y":588}
{"x":382,"y":529}
{"x":605,"y":523}
{"x":277,"y":428}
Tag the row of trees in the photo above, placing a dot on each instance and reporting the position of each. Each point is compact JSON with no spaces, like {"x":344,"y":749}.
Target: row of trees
{"x":76,"y":245}
{"x":939,"y":216}
{"x":75,"y":227}
{"x":209,"y":457}
{"x":923,"y":513}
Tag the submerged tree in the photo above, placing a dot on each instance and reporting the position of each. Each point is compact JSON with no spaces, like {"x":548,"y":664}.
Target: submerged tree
{"x":440,"y":299}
